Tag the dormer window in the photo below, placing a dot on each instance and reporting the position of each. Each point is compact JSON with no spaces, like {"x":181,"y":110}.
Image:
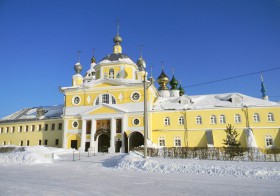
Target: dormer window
{"x":111,"y":73}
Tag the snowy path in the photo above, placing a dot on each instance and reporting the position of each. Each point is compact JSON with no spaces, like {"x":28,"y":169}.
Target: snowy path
{"x":99,"y":175}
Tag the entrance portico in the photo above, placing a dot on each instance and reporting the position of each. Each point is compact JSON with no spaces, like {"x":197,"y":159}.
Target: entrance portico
{"x":102,"y":129}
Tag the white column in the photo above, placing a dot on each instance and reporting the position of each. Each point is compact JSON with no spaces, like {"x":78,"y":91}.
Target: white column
{"x":83,"y":136}
{"x":93,"y":146}
{"x":113,"y":134}
{"x":123,"y":138}
{"x":64,"y":137}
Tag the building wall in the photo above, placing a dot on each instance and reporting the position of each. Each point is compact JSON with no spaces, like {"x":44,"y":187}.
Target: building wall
{"x":194,"y":135}
{"x":15,"y":138}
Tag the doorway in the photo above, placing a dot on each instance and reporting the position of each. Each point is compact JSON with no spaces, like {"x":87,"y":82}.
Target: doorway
{"x":74,"y":144}
{"x":103,"y":143}
{"x":135,"y":139}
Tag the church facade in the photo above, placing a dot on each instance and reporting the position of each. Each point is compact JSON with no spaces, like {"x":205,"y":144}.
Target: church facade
{"x":104,"y":111}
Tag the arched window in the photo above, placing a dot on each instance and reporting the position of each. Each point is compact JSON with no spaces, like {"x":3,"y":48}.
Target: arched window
{"x":222,"y":119}
{"x":177,"y":141}
{"x":268,"y":141}
{"x":111,"y":73}
{"x":181,"y":120}
{"x":213,"y":119}
{"x":237,"y":118}
{"x":256,"y":117}
{"x":105,"y":98}
{"x":167,"y":121}
{"x":270,"y":117}
{"x":97,"y":101}
{"x":198,"y":120}
{"x":113,"y":100}
{"x":161,"y":141}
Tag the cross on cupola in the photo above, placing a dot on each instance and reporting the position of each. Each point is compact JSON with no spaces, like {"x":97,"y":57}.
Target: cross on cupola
{"x":117,"y":39}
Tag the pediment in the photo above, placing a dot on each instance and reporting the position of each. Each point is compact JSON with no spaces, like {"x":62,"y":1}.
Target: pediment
{"x":104,"y":109}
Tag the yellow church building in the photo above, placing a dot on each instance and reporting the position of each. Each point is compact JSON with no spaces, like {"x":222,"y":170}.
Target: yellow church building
{"x":104,"y":111}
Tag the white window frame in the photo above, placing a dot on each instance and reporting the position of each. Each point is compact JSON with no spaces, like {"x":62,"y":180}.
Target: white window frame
{"x":198,"y":120}
{"x":111,"y":73}
{"x":270,"y":117}
{"x":181,"y":120}
{"x":256,"y":117}
{"x":269,"y":141}
{"x":222,"y":119}
{"x":132,"y":94}
{"x":105,"y":98}
{"x":133,"y":121}
{"x":161,"y":141}
{"x":73,"y":100}
{"x":75,"y":127}
{"x":213,"y":119}
{"x":167,"y":121}
{"x":177,"y":141}
{"x":237,"y":118}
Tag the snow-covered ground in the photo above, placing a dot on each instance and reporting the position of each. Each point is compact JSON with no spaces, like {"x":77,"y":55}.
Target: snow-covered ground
{"x":52,"y":171}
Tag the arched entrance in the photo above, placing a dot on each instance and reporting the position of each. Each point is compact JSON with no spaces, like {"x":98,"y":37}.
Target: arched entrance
{"x":135,"y":139}
{"x":103,"y":143}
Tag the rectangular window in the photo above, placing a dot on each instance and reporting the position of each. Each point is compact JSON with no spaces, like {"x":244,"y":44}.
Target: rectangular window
{"x":40,"y":142}
{"x":21,"y":143}
{"x":198,"y":120}
{"x":27,"y":143}
{"x":88,"y":126}
{"x":60,"y":126}
{"x":46,"y":127}
{"x":39,"y":127}
{"x":178,"y":142}
{"x":1,"y":130}
{"x":7,"y":129}
{"x":269,"y":142}
{"x":13,"y":130}
{"x":20,"y":129}
{"x":256,"y":117}
{"x":105,"y":98}
{"x":4,"y":143}
{"x":46,"y":142}
{"x":161,"y":142}
{"x":222,"y":119}
{"x":181,"y":121}
{"x":118,"y":125}
{"x":53,"y":126}
{"x":33,"y":128}
{"x":167,"y":121}
{"x":26,"y":128}
{"x":56,"y":142}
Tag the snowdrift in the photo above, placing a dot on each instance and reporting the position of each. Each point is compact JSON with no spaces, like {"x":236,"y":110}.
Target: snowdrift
{"x":134,"y":162}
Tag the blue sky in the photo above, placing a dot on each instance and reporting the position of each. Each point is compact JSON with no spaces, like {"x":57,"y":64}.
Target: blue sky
{"x":202,"y":40}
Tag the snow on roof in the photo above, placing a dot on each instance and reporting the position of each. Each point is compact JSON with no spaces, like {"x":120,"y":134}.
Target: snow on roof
{"x":112,"y":58}
{"x":125,"y":60}
{"x":83,"y":110}
{"x":210,"y":101}
{"x":31,"y":114}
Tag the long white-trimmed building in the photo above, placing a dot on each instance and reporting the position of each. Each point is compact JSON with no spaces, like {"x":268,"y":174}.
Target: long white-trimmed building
{"x":103,"y":110}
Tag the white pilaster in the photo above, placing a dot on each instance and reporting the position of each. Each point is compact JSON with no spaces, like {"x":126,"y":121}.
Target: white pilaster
{"x":113,"y":134}
{"x":64,"y":139}
{"x":83,"y":136}
{"x":122,"y":150}
{"x":93,"y":146}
